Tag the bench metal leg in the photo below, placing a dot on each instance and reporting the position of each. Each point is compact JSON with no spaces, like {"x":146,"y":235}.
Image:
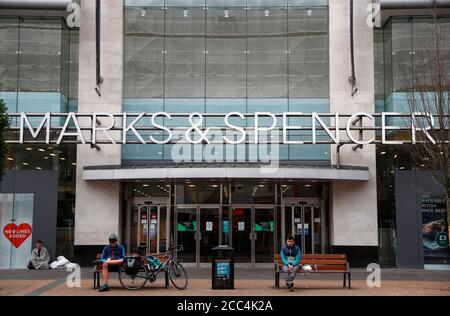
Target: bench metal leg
{"x":345,"y":280}
{"x":96,"y":279}
{"x":349,"y":285}
{"x":277,"y":280}
{"x":166,"y":278}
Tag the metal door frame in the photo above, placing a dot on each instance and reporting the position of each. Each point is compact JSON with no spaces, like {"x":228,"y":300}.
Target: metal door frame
{"x":197,"y":235}
{"x":252,"y":234}
{"x":314,"y":203}
{"x":147,"y":202}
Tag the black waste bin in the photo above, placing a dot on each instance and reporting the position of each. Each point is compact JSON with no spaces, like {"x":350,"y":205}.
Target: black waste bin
{"x":222,"y":268}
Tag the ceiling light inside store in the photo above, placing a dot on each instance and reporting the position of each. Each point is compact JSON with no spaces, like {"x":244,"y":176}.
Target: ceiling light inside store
{"x":145,"y":185}
{"x":40,"y":149}
{"x":9,"y":158}
{"x":25,"y":163}
{"x":29,"y":148}
{"x":53,"y":155}
{"x":382,"y":153}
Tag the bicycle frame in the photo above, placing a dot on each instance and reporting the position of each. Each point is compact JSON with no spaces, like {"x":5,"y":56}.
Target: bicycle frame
{"x":164,"y":266}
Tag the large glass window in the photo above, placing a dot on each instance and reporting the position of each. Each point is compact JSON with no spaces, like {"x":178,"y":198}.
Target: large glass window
{"x":226,"y":53}
{"x":185,"y":53}
{"x":222,"y":56}
{"x":308,"y":52}
{"x":267,"y":52}
{"x":39,"y":73}
{"x":144,"y":52}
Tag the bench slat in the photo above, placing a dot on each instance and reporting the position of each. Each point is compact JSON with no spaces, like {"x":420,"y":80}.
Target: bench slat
{"x":324,"y":256}
{"x":323,"y":262}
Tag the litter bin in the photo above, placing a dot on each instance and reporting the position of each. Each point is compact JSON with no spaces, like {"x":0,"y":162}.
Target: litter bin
{"x":222,"y":268}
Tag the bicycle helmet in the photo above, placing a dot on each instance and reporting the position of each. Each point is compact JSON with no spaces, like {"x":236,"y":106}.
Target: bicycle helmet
{"x":113,"y":237}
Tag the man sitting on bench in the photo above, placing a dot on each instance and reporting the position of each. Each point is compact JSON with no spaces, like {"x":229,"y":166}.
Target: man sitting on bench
{"x":112,"y":255}
{"x":290,"y":255}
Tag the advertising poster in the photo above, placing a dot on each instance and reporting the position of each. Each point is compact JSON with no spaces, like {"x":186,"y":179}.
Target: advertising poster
{"x":187,"y":226}
{"x":264,"y":226}
{"x":223,"y":269}
{"x":434,"y":227}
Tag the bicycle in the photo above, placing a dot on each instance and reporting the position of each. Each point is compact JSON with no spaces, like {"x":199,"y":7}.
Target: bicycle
{"x":147,"y":269}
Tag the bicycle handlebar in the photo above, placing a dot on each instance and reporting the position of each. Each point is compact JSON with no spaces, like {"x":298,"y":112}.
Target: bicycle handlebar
{"x":177,"y":248}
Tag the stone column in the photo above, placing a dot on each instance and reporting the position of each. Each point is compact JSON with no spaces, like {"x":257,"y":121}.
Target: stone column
{"x":97,"y":205}
{"x":353,"y":214}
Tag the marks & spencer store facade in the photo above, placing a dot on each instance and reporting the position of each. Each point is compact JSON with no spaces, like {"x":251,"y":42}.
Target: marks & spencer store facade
{"x":200,"y":123}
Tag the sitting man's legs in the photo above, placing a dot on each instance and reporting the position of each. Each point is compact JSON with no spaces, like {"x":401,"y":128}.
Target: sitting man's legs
{"x":105,"y":271}
{"x":289,"y":276}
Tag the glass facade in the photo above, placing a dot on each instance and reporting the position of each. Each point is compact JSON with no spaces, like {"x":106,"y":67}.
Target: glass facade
{"x":402,"y":49}
{"x":222,"y":56}
{"x":39,"y":73}
{"x":206,"y":212}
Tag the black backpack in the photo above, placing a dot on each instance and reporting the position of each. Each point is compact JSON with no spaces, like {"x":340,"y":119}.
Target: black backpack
{"x":131,"y":264}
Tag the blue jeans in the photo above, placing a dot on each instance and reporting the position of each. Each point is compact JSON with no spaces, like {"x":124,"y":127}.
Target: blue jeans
{"x":290,"y":276}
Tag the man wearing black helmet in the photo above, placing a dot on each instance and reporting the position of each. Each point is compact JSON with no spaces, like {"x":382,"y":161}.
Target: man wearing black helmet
{"x":112,"y":255}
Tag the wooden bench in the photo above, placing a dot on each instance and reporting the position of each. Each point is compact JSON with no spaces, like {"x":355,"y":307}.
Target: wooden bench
{"x":98,"y":269}
{"x":320,"y":263}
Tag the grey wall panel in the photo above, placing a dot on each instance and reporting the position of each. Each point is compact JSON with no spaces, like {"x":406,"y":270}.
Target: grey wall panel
{"x":410,"y":186}
{"x":44,"y":185}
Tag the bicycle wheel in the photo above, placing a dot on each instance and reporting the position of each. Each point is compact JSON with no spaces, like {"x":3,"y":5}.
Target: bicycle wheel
{"x":178,"y":275}
{"x":133,"y":281}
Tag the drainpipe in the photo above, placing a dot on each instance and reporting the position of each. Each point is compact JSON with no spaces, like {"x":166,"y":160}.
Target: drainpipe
{"x":34,"y":4}
{"x":352,"y":78}
{"x":338,"y":152}
{"x":98,"y":77}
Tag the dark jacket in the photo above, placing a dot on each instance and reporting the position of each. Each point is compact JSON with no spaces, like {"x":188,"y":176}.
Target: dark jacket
{"x":295,"y":252}
{"x":114,"y":253}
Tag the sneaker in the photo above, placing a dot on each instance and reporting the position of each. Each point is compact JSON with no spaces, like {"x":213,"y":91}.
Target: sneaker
{"x":104,"y":288}
{"x":286,"y":285}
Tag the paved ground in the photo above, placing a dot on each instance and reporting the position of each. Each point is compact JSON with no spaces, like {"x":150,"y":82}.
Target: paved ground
{"x":249,"y":282}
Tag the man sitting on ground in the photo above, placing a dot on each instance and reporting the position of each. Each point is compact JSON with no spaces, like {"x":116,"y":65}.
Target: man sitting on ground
{"x":112,"y":255}
{"x":39,"y":258}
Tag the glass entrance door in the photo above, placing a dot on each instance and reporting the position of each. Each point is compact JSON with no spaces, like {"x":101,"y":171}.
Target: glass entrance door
{"x":186,"y":233}
{"x":304,"y":223}
{"x":147,"y":227}
{"x":198,"y":232}
{"x":209,"y":232}
{"x":263,"y":234}
{"x":242,"y":233}
{"x":253,"y":233}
